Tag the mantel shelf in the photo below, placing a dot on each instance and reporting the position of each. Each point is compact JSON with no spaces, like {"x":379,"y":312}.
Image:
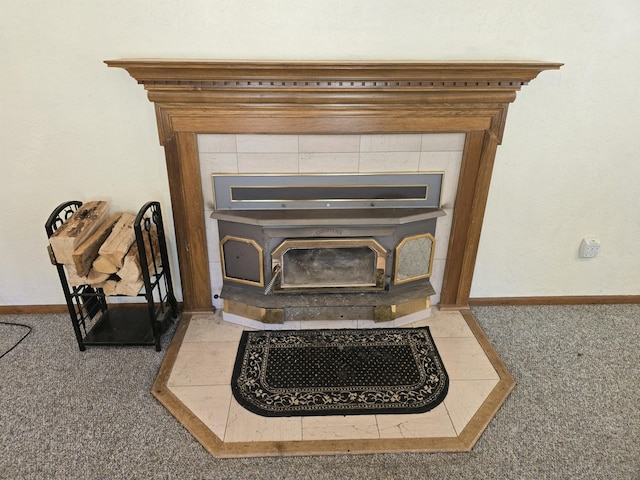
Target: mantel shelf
{"x":260,"y":74}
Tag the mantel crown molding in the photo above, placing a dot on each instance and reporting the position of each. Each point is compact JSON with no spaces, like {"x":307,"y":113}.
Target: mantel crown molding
{"x":186,"y":92}
{"x":185,"y":74}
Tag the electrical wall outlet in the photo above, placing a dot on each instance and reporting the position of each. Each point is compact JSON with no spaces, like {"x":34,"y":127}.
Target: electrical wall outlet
{"x":589,"y":247}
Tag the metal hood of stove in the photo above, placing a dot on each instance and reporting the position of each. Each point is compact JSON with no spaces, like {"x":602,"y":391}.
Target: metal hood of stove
{"x":360,"y":217}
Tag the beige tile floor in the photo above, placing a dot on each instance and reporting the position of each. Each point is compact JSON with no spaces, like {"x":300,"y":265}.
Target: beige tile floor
{"x":201,"y":373}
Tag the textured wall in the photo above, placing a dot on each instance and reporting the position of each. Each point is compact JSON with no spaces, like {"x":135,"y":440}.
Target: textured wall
{"x":70,"y":128}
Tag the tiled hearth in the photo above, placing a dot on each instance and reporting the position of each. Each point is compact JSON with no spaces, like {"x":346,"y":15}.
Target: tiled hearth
{"x":194,"y":385}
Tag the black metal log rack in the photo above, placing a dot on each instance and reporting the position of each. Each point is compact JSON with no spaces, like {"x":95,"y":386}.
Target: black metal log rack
{"x":98,"y":321}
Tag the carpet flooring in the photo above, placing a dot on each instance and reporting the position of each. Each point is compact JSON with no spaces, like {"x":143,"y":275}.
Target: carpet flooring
{"x":11,"y":335}
{"x":575,"y":411}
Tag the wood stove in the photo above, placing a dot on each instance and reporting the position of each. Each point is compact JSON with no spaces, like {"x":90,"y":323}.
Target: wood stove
{"x":305,"y":247}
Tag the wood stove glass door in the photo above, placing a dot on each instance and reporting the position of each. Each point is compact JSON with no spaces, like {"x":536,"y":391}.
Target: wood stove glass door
{"x":329,"y":263}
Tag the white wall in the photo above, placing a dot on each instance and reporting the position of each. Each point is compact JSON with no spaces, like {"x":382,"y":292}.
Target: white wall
{"x":71,"y":128}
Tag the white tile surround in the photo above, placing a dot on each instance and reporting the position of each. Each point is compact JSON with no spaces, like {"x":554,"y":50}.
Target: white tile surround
{"x":304,"y":154}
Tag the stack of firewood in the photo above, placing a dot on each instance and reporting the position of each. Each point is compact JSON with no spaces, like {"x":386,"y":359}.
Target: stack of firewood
{"x":99,"y":249}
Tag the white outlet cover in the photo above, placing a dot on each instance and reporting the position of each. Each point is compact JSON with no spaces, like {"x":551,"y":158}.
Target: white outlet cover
{"x":589,"y":247}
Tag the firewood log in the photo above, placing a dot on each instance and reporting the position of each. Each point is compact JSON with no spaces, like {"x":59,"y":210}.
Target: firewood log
{"x":73,"y":278}
{"x":82,"y":224}
{"x":109,"y":287}
{"x":86,"y":253}
{"x":93,"y":278}
{"x":102,"y":265}
{"x":130,"y":288}
{"x":122,"y":287}
{"x":122,"y":236}
{"x":131,"y":269}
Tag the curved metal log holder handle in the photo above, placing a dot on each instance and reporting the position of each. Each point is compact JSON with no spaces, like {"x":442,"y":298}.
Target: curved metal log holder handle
{"x":154,"y":261}
{"x":83,"y":301}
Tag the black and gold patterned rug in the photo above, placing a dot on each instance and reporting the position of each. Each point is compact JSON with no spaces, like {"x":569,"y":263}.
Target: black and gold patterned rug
{"x":282,"y":373}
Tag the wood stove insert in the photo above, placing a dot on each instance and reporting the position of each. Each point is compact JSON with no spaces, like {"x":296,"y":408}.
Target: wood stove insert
{"x":327,"y":246}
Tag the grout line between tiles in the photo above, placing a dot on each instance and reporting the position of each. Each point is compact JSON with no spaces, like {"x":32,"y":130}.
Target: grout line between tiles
{"x":453,"y":425}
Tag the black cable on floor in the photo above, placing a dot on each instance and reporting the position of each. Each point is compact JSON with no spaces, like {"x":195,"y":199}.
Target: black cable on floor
{"x":19,"y":341}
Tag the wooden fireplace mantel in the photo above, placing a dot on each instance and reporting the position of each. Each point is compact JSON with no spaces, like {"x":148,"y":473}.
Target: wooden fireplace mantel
{"x":194,"y":97}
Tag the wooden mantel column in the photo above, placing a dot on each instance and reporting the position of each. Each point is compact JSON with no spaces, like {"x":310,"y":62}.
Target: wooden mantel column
{"x":194,"y":97}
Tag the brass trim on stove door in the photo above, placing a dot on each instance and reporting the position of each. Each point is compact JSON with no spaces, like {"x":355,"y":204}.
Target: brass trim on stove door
{"x":260,"y":260}
{"x":378,"y":272}
{"x":396,"y":259}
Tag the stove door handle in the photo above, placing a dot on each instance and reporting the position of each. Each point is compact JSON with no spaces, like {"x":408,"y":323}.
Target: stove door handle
{"x":275,"y":274}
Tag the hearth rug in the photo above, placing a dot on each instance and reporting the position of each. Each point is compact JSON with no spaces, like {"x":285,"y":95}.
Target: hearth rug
{"x":285,"y":373}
